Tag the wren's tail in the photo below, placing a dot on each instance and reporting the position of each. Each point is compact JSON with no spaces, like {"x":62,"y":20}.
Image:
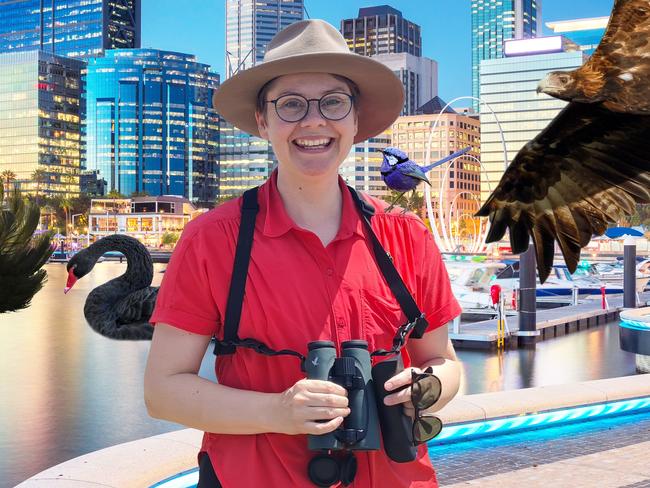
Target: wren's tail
{"x":446,"y":158}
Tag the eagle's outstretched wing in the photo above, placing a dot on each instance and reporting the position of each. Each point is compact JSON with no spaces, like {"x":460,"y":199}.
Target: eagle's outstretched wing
{"x":586,"y":169}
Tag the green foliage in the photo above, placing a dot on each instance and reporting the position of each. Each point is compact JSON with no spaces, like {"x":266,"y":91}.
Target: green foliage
{"x":223,"y":199}
{"x":640,"y":217}
{"x":21,"y":253}
{"x":412,"y":200}
{"x":114,"y":194}
{"x":170,"y":238}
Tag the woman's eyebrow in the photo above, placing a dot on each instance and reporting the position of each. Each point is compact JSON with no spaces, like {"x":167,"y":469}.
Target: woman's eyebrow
{"x":341,"y":88}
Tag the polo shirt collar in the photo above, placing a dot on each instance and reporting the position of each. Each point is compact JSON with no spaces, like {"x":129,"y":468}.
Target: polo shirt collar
{"x":277,"y":222}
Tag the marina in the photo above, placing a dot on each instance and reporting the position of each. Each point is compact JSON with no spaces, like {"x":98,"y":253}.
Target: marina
{"x":551,"y":323}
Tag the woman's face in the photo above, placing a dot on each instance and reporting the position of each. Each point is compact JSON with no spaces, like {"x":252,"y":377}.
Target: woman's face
{"x":294,"y":142}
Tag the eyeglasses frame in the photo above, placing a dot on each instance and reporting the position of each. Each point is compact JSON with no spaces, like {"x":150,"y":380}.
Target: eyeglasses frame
{"x":309,"y":100}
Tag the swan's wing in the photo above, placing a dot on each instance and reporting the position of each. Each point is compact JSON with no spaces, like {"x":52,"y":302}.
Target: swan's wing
{"x":129,"y":317}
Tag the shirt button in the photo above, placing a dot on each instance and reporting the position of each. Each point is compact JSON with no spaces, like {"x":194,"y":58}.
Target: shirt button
{"x":330,"y":271}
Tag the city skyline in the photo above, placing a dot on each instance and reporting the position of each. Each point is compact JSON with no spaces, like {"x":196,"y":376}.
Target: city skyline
{"x":446,"y":41}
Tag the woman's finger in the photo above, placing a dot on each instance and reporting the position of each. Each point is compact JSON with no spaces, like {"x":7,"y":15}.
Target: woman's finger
{"x":401,"y":396}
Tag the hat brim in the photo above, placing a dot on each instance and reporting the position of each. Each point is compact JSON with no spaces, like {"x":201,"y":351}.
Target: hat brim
{"x":381,"y":92}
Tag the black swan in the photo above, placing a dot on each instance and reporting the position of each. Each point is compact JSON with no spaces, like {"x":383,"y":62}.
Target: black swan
{"x":120,"y":308}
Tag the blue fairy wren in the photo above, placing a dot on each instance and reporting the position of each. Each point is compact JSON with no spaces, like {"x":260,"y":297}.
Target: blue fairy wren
{"x":401,"y":174}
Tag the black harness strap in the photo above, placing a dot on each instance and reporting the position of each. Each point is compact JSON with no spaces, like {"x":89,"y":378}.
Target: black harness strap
{"x":393,"y":278}
{"x":249,"y":211}
{"x":417,"y":323}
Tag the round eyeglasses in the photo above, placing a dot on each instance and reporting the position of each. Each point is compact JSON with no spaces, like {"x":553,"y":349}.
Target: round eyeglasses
{"x":294,"y":108}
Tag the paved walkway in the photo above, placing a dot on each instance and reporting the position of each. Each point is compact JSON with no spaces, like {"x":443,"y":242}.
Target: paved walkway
{"x":606,"y":453}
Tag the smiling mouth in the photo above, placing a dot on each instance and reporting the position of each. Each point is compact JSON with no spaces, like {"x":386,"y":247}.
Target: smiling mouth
{"x":313,"y":144}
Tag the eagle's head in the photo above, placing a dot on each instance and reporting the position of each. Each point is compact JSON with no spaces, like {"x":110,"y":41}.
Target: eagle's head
{"x":559,"y":84}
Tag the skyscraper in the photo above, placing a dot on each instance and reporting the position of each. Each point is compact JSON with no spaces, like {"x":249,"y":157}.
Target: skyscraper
{"x":150,"y":126}
{"x":73,"y":28}
{"x":244,"y":160}
{"x":419,"y":76}
{"x":381,"y":30}
{"x":250,"y":26}
{"x":509,"y":86}
{"x":494,"y":22}
{"x":40,"y":122}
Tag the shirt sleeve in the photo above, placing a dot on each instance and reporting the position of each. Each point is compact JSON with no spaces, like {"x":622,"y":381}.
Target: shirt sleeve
{"x":435,"y":297}
{"x":185,"y":298}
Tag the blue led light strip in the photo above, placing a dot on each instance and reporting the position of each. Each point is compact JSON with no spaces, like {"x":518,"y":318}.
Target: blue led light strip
{"x":633,"y":324}
{"x":186,"y":479}
{"x":473,"y":430}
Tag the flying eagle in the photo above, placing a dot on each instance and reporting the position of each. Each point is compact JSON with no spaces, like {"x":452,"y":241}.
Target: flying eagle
{"x":591,"y":164}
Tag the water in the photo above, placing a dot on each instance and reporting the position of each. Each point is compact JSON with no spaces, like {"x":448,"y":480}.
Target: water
{"x":66,"y":391}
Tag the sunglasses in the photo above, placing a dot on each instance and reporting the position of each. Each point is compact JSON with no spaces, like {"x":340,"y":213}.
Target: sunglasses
{"x":425,"y":391}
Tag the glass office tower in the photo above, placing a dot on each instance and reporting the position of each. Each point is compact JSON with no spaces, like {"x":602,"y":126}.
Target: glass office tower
{"x":150,"y":124}
{"x":509,"y":86}
{"x":244,"y":160}
{"x":40,"y":117}
{"x":494,"y":22}
{"x":73,"y":28}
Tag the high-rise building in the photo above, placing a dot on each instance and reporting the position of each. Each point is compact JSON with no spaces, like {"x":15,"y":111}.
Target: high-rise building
{"x":493,"y":23}
{"x":419,"y":76}
{"x":250,"y":26}
{"x":586,"y":33}
{"x":361,"y":168}
{"x":382,"y":30}
{"x":244,"y":160}
{"x":456,"y":184}
{"x":150,"y":126}
{"x":73,"y":28}
{"x":509,"y":86}
{"x":40,"y":122}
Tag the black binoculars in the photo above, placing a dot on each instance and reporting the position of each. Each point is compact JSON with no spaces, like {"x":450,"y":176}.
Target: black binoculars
{"x":369,"y":419}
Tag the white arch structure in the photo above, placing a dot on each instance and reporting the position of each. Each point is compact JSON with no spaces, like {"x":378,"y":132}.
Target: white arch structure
{"x":444,"y":219}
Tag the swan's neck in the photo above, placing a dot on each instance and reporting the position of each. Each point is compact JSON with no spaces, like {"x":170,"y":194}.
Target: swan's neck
{"x":139,"y":268}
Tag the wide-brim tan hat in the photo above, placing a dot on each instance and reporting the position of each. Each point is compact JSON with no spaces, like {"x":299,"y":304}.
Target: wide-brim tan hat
{"x":314,"y":46}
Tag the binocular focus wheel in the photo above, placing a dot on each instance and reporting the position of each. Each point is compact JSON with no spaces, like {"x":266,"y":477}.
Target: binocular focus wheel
{"x":324,"y":470}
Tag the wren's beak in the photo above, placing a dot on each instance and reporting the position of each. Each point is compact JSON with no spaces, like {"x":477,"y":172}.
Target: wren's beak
{"x":72,"y":279}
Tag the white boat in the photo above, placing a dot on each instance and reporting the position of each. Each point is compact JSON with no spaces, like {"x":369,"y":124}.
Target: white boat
{"x":471,"y":283}
{"x":611,"y":274}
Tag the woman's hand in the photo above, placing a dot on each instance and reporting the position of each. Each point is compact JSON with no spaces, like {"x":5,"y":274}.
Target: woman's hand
{"x":401,"y":384}
{"x":311,"y":407}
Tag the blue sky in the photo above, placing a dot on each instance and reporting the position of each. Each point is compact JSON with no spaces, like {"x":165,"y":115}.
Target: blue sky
{"x":197,"y":27}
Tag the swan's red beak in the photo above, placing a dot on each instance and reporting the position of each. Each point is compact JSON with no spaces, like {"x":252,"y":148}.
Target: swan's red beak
{"x":72,"y":279}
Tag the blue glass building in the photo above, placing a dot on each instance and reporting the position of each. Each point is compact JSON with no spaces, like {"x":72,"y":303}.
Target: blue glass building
{"x":245,"y":160}
{"x":496,"y":22}
{"x":72,"y":28}
{"x":40,"y":122}
{"x":150,"y":126}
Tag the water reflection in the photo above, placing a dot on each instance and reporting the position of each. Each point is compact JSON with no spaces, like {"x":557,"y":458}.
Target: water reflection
{"x":581,"y":356}
{"x":67,"y":391}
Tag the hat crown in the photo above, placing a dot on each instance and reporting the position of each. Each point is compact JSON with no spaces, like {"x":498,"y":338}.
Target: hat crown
{"x":306,"y":37}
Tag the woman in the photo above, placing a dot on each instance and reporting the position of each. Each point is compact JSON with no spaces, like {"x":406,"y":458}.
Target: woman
{"x":312,"y":276}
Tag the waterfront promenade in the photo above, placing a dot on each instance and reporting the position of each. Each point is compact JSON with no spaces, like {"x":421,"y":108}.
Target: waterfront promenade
{"x":606,"y":452}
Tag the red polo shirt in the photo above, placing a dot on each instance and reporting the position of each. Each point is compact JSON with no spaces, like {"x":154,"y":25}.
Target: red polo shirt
{"x":299,"y":291}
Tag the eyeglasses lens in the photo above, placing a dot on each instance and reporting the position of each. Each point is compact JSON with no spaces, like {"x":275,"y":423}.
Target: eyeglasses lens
{"x":334,"y":106}
{"x":425,"y":391}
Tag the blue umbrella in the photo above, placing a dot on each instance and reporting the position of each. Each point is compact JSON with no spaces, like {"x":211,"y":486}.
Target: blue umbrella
{"x":617,"y":232}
